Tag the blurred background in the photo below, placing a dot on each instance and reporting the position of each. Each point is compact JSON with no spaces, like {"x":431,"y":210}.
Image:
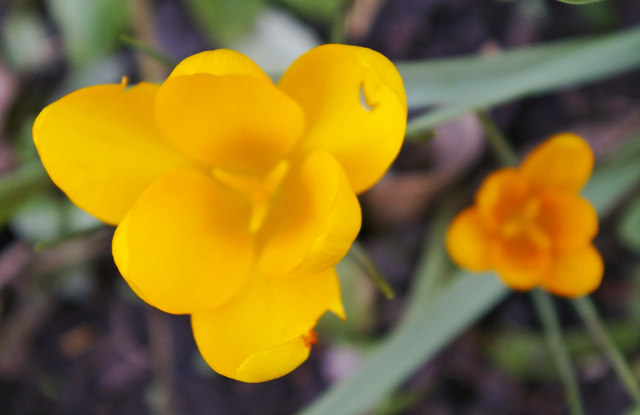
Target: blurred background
{"x":74,"y":339}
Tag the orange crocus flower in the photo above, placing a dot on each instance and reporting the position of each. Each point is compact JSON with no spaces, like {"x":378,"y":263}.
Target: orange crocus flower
{"x":530,"y":224}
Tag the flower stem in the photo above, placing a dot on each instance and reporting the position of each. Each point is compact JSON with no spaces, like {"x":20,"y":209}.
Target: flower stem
{"x":148,"y":50}
{"x":587,"y":311}
{"x":360,"y":257}
{"x":498,"y":142}
{"x":338,"y":29}
{"x":549,"y":318}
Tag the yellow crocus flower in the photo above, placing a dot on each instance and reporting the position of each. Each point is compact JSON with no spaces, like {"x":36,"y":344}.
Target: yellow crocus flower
{"x":234,"y":197}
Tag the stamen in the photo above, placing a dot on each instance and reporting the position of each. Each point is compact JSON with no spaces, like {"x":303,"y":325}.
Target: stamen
{"x":259,"y":189}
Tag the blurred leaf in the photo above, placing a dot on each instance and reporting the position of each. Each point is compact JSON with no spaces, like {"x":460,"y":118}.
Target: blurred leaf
{"x":18,"y":186}
{"x":464,"y":84}
{"x":436,"y":319}
{"x":399,"y":403}
{"x":629,"y":225}
{"x":276,"y":40}
{"x":150,"y":51}
{"x":579,"y":1}
{"x":44,"y":219}
{"x":323,"y":10}
{"x":25,"y":41}
{"x":225,"y":20}
{"x":524,"y":355}
{"x":615,"y":176}
{"x":90,"y":29}
{"x":359,"y":256}
{"x":358,"y":298}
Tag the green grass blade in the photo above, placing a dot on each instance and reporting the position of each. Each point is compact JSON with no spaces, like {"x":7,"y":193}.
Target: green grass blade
{"x":408,"y":347}
{"x":461,"y":85}
{"x":578,"y":1}
{"x":18,"y":185}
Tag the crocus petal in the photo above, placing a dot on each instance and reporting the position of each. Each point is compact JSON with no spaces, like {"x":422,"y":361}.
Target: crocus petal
{"x":185,"y":245}
{"x":574,"y":274}
{"x":261,"y":334}
{"x":468,"y":241}
{"x":520,"y":262}
{"x":235,"y":122}
{"x":565,"y":162}
{"x":355,"y":106}
{"x":570,"y":220}
{"x":102,"y":147}
{"x":219,"y":62}
{"x":502,"y":196}
{"x":314,"y":222}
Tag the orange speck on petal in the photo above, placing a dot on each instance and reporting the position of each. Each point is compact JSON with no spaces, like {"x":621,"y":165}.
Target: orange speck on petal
{"x":310,"y":338}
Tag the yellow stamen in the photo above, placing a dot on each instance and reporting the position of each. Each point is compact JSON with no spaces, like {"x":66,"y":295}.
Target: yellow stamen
{"x":259,"y":189}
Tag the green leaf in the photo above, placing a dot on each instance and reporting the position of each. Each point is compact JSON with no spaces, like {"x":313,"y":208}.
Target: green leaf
{"x":225,"y":20}
{"x":629,"y":225}
{"x":460,"y":85}
{"x":358,"y":255}
{"x":442,"y":307}
{"x":578,"y":1}
{"x":90,"y":29}
{"x":25,"y":42}
{"x":18,"y":186}
{"x":322,"y":10}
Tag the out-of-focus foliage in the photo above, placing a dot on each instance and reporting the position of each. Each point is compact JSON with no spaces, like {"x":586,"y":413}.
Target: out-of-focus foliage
{"x":225,"y":20}
{"x":90,"y":29}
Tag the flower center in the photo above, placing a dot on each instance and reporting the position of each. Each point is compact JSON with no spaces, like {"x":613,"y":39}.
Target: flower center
{"x":523,"y":222}
{"x":259,"y":189}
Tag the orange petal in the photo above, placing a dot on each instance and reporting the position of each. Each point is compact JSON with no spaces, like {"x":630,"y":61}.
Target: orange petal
{"x":355,"y":106}
{"x":574,"y":274}
{"x":502,"y":196}
{"x":468,"y":241}
{"x":570,"y":220}
{"x":564,"y":161}
{"x":520,"y":262}
{"x":185,"y":246}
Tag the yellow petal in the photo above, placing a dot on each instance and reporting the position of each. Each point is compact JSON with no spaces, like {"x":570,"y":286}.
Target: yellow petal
{"x":574,"y":274}
{"x":520,"y":262}
{"x":102,"y":147}
{"x":235,"y":122}
{"x":219,"y":62}
{"x":315,"y":221}
{"x":184,"y":245}
{"x":355,"y":106}
{"x":503,"y":197}
{"x":570,"y":220}
{"x":468,"y":242}
{"x":260,"y":334}
{"x":564,"y":161}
